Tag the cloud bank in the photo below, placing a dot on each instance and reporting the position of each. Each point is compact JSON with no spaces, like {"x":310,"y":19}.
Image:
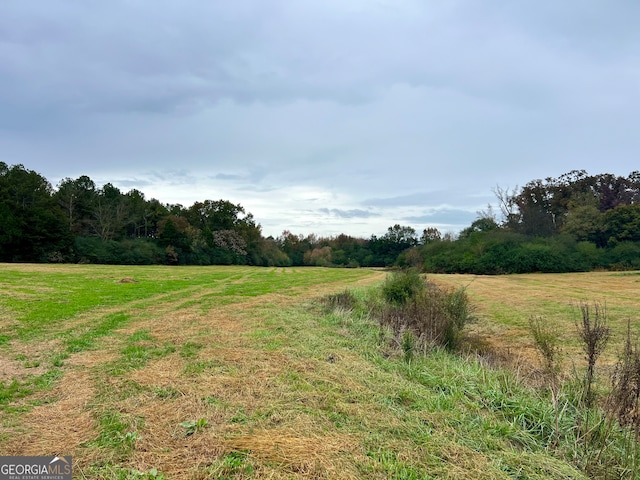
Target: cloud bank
{"x":323,"y":117}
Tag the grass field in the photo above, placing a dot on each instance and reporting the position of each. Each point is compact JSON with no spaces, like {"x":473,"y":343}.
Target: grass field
{"x":238,"y":372}
{"x":505,"y":303}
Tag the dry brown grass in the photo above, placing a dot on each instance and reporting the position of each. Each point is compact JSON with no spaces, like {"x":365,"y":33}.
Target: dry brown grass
{"x":11,"y":369}
{"x":127,"y":280}
{"x":163,"y":444}
{"x":310,"y":455}
{"x":61,"y":426}
{"x":287,"y":438}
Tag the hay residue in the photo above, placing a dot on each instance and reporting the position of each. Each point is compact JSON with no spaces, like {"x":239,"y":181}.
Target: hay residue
{"x":128,"y":280}
{"x":11,"y":370}
{"x":163,"y":443}
{"x":59,"y":427}
{"x":322,"y":456}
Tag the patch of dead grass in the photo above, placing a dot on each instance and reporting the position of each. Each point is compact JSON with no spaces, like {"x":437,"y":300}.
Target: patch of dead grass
{"x":163,"y":443}
{"x":93,"y":358}
{"x":11,"y":369}
{"x":128,"y":280}
{"x":61,"y":426}
{"x":315,"y":455}
{"x":464,"y":463}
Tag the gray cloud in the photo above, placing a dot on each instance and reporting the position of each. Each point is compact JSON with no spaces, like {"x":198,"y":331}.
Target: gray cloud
{"x":355,"y":213}
{"x":421,"y":198}
{"x":225,"y":176}
{"x":446,"y":216}
{"x":122,"y":56}
{"x":137,"y":184}
{"x":388,"y":106}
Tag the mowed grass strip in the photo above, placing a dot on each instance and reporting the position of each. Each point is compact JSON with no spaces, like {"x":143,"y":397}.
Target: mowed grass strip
{"x":105,"y":336}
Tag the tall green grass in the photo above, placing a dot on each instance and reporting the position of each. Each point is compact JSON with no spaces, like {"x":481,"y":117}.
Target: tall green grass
{"x":495,"y":412}
{"x":445,"y":407}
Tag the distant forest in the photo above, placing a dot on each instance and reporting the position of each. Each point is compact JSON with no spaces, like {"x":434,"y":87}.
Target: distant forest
{"x":577,"y":222}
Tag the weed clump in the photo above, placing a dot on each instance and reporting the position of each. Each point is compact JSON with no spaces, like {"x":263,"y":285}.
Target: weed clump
{"x":422,"y":314}
{"x":547,"y":342}
{"x":402,"y":286}
{"x":340,"y":301}
{"x":625,"y":395}
{"x":602,"y":436}
{"x":594,"y":333}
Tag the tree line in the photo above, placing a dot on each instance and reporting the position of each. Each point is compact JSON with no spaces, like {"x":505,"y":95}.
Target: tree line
{"x":572,"y":223}
{"x":79,"y":221}
{"x":576,"y":222}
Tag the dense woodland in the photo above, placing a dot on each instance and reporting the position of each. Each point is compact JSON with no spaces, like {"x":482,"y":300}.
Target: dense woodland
{"x":577,"y":222}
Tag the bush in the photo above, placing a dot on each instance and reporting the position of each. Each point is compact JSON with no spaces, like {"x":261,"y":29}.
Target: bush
{"x":425,"y":312}
{"x":500,"y":252}
{"x":624,"y":256}
{"x":127,"y":252}
{"x":139,"y":252}
{"x":400,"y":287}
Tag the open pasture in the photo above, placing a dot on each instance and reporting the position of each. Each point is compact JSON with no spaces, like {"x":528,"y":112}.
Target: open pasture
{"x":237,"y":372}
{"x":505,"y":303}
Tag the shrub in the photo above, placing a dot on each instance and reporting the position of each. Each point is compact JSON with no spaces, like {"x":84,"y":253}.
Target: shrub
{"x":430,"y":314}
{"x":401,"y":286}
{"x":624,"y":256}
{"x":625,"y":395}
{"x":547,"y":341}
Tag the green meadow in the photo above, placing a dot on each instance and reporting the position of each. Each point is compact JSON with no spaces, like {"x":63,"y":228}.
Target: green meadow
{"x":242,"y":372}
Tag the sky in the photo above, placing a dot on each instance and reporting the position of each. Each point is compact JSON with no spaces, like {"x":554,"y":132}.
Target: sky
{"x":325,"y":117}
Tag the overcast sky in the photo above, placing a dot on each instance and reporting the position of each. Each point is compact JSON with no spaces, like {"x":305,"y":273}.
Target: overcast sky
{"x":327,"y":116}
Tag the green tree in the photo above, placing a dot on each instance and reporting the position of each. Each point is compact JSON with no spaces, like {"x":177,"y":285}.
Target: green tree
{"x":215,"y":215}
{"x":534,"y":203}
{"x":622,"y":224}
{"x":483,"y":224}
{"x":320,"y":257}
{"x":401,"y":235}
{"x":135,"y":216}
{"x":386,"y":249}
{"x":586,"y":223}
{"x":34,"y":227}
{"x":251,"y":233}
{"x":77,"y":199}
{"x":154,"y":213}
{"x":110,"y":213}
{"x":173,"y":235}
{"x":294,"y":246}
{"x":271,"y":255}
{"x":430,"y":234}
